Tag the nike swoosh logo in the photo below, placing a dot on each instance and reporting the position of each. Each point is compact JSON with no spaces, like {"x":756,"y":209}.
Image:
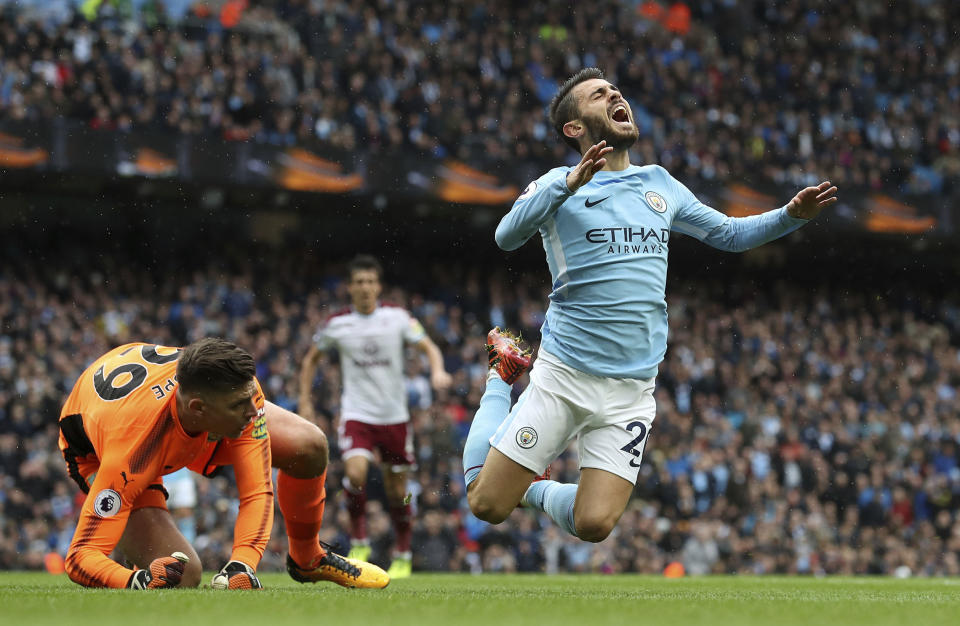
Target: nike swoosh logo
{"x":590,"y":204}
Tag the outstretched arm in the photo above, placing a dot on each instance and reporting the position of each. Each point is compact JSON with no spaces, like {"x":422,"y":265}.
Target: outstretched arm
{"x":307,"y":371}
{"x":736,"y":234}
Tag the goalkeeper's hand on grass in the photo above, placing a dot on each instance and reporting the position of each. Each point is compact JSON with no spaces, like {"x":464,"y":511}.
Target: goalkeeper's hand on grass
{"x":163,"y":573}
{"x":236,"y":575}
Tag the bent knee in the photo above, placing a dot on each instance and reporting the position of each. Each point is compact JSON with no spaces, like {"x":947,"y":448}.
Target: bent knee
{"x":316,"y":450}
{"x":309,"y":455}
{"x":356,"y":476}
{"x":595,"y":529}
{"x":487,"y":508}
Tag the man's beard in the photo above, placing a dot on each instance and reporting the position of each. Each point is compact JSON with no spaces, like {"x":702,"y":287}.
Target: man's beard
{"x":618,"y":139}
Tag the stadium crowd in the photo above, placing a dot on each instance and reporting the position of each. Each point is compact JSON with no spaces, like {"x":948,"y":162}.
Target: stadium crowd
{"x":799,"y":429}
{"x":720,"y":89}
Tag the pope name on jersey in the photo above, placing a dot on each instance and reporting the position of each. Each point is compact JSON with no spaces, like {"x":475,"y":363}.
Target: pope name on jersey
{"x":371,"y":355}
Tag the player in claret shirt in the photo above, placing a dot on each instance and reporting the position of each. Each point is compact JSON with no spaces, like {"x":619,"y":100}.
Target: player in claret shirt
{"x":370,"y":338}
{"x":605,"y":226}
{"x":142,"y":411}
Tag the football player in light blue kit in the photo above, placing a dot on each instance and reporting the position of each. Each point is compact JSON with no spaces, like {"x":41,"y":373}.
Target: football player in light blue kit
{"x":605,"y":226}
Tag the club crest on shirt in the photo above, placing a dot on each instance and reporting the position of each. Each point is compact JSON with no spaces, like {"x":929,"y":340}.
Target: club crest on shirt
{"x":526,"y":437}
{"x":107,"y":503}
{"x":656,"y":201}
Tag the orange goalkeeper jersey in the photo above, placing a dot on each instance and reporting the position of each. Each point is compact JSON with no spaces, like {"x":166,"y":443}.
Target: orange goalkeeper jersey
{"x":120,"y":432}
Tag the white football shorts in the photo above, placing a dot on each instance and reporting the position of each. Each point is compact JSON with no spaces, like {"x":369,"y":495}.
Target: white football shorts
{"x":611,"y":417}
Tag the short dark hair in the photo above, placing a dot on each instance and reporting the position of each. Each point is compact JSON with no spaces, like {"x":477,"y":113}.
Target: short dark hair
{"x":563,"y":107}
{"x":365,"y":262}
{"x":214,"y":364}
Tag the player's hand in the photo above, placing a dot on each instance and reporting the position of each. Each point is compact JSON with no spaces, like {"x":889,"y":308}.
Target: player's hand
{"x":236,"y":575}
{"x":592,"y":162}
{"x":165,"y":572}
{"x":810,"y":201}
{"x":440,"y":379}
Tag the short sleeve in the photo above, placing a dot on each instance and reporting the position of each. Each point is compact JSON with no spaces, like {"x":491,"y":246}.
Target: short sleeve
{"x":322,"y":339}
{"x":413,"y":331}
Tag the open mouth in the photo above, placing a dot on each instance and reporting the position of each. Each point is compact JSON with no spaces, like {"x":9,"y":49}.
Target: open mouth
{"x":620,"y":114}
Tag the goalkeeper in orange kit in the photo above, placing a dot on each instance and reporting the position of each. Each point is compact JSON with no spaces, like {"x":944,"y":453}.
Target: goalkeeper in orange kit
{"x":142,"y":411}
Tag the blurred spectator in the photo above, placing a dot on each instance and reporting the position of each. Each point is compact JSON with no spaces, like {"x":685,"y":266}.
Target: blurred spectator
{"x":436,"y":544}
{"x":796,"y":91}
{"x":700,"y":551}
{"x":798,"y":430}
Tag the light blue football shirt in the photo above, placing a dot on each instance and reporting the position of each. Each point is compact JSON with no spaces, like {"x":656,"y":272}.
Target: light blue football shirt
{"x":607,"y":248}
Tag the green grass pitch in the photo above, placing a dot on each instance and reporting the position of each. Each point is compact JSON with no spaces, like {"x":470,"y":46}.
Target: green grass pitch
{"x":495,"y":600}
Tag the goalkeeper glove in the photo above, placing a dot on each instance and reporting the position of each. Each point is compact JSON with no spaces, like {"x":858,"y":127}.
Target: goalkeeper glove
{"x":236,"y":575}
{"x":164,"y":573}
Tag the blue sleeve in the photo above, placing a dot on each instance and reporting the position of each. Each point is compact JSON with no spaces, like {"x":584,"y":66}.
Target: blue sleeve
{"x":734,"y":234}
{"x":538,"y":202}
